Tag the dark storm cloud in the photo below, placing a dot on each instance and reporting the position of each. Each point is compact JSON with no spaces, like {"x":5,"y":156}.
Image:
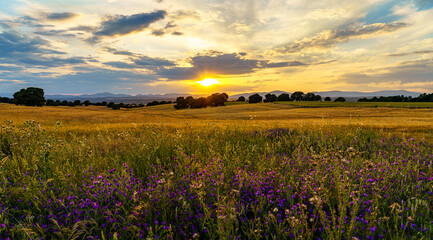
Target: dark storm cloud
{"x":330,"y":38}
{"x":59,"y":16}
{"x":123,"y":25}
{"x":218,"y":63}
{"x":405,"y":72}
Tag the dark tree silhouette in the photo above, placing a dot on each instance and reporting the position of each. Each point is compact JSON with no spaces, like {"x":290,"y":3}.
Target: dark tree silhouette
{"x":217,"y":99}
{"x":340,"y":99}
{"x":6,"y":100}
{"x":30,"y":97}
{"x":181,"y":103}
{"x":327,"y":99}
{"x":284,"y":97}
{"x":200,"y":103}
{"x":298,"y":96}
{"x":270,"y":98}
{"x":190,"y":100}
{"x":241,"y":99}
{"x":51,"y":102}
{"x":86,"y":103}
{"x":255,"y":98}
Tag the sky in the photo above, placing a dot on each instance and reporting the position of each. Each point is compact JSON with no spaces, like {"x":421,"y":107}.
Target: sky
{"x":167,"y":46}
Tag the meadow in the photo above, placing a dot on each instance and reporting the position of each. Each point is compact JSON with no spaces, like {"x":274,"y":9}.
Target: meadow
{"x":244,"y":171}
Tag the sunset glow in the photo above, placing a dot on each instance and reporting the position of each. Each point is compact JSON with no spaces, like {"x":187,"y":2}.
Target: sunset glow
{"x":208,"y":82}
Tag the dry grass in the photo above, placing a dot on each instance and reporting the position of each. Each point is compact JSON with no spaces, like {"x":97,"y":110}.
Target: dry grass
{"x":414,"y":122}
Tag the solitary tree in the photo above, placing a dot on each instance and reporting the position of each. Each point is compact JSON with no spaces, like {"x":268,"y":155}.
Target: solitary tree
{"x":241,"y":99}
{"x":327,"y":99}
{"x":30,"y":97}
{"x":255,"y":98}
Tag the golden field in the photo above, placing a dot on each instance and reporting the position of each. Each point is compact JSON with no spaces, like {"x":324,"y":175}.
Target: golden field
{"x":417,"y":122}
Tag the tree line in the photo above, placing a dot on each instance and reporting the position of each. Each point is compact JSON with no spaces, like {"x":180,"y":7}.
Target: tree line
{"x":421,"y":98}
{"x":35,"y":97}
{"x":296,"y":96}
{"x":214,"y":100}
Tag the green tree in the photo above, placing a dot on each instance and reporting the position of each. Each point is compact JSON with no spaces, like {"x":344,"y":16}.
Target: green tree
{"x":30,"y":97}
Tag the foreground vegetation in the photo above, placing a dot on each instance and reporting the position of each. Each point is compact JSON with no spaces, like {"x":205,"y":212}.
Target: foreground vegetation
{"x":252,"y":179}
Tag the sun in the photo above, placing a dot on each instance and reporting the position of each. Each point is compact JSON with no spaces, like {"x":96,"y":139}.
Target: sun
{"x":208,"y":82}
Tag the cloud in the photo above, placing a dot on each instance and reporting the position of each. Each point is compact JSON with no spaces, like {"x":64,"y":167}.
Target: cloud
{"x":83,"y":28}
{"x":13,"y":44}
{"x":53,"y":32}
{"x":59,"y":16}
{"x":410,"y":53}
{"x":137,"y":60}
{"x":51,"y":61}
{"x":118,"y":52}
{"x":20,"y":50}
{"x":167,"y":29}
{"x":122,"y":25}
{"x":329,"y":38}
{"x":404,"y":72}
{"x":284,"y":64}
{"x":148,"y":61}
{"x":214,"y":63}
{"x":181,"y":14}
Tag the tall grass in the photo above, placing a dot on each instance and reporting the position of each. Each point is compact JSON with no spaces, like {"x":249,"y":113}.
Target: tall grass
{"x":213,"y":182}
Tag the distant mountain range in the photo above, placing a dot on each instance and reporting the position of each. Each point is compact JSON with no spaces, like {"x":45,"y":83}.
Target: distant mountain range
{"x":145,"y":98}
